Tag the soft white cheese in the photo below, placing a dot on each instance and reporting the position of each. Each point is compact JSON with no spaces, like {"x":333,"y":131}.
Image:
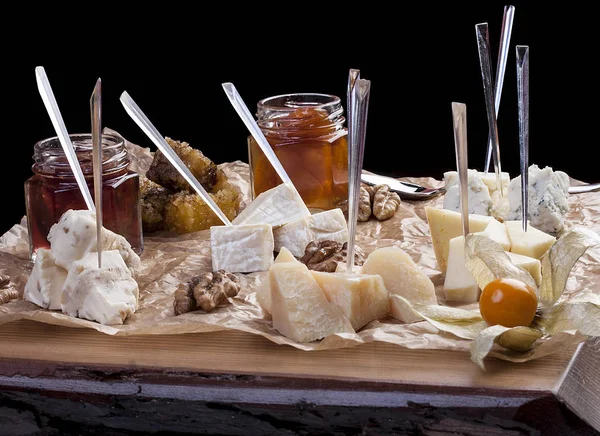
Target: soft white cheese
{"x":45,"y":283}
{"x":479,"y":199}
{"x":295,"y":236}
{"x":277,"y":206}
{"x":548,"y":199}
{"x":107,"y":295}
{"x":242,"y":248}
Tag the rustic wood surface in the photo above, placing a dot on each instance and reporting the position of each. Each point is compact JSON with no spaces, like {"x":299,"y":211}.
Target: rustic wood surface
{"x":56,"y":380}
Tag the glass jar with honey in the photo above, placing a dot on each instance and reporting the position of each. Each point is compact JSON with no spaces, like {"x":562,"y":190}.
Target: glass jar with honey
{"x":52,"y":190}
{"x":307,"y":133}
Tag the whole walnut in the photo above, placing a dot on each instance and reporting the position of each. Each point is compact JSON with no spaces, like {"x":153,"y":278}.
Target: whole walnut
{"x":385,"y":202}
{"x":205,"y":291}
{"x":364,"y":204}
{"x":325,"y":255}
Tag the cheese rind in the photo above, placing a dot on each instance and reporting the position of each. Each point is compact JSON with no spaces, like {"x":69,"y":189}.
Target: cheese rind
{"x":243,"y":248}
{"x":529,"y":264}
{"x":295,"y":236}
{"x":401,"y":275}
{"x":45,"y":283}
{"x":107,"y":295}
{"x":277,"y":206}
{"x":299,"y":308}
{"x":361,"y":298}
{"x":534,"y":243}
{"x":459,"y":284}
{"x":446,"y":224}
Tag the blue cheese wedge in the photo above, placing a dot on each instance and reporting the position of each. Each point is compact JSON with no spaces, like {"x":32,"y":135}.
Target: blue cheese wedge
{"x":299,"y":308}
{"x":295,"y":236}
{"x":480,"y":200}
{"x":362,"y":298}
{"x":277,"y":206}
{"x":45,"y":283}
{"x":242,"y":248}
{"x":107,"y":295}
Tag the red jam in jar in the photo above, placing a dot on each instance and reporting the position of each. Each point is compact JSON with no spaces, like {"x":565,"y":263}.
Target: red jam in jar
{"x":52,"y":190}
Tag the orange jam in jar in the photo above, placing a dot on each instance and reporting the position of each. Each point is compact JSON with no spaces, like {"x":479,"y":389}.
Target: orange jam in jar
{"x":307,"y":133}
{"x":52,"y":190}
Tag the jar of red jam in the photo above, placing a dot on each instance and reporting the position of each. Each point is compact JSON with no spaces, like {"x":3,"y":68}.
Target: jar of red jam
{"x":307,"y":133}
{"x":52,"y":190}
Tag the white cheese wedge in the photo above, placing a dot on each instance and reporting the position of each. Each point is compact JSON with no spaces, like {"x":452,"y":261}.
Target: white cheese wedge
{"x":299,"y":308}
{"x":107,"y":295}
{"x":263,"y":293}
{"x":295,"y":236}
{"x":459,"y":284}
{"x":74,"y":236}
{"x":496,"y":231}
{"x":277,"y":206}
{"x":402,"y":311}
{"x":446,"y":224}
{"x":361,"y":298}
{"x":529,"y":264}
{"x":534,"y":243}
{"x":401,"y":275}
{"x":45,"y":283}
{"x":243,"y":248}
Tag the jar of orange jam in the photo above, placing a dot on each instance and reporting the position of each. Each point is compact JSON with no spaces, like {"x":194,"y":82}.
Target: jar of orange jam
{"x":307,"y":133}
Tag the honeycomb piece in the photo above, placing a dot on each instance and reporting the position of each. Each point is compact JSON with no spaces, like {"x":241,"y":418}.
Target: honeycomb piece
{"x":153,"y":201}
{"x":162,"y":172}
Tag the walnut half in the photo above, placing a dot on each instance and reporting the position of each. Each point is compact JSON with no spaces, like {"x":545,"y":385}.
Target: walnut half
{"x":205,"y":291}
{"x":385,"y":202}
{"x":325,"y":255}
{"x":364,"y":204}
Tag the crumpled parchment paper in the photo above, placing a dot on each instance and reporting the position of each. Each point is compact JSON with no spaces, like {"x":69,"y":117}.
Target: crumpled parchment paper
{"x":170,"y":259}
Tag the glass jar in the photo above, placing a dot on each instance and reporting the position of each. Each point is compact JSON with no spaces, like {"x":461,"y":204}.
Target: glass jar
{"x":307,"y":133}
{"x":52,"y":190}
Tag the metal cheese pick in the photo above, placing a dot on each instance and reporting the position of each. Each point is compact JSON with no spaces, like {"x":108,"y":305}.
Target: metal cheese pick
{"x":63,"y":136}
{"x":523,"y":104}
{"x":242,"y":110}
{"x":507,"y":23}
{"x":483,"y":45}
{"x":96,"y":114}
{"x":358,"y":103}
{"x":459,"y":122}
{"x":144,"y":123}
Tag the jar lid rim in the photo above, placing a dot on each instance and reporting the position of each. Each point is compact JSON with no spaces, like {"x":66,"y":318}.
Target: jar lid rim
{"x":291,"y":102}
{"x":109,"y":141}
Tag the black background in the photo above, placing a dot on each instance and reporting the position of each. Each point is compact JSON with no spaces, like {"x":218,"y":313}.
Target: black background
{"x":419,"y":58}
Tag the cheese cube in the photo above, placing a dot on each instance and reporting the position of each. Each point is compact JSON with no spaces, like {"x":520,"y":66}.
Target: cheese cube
{"x":277,"y":206}
{"x":295,"y":236}
{"x":107,"y":295}
{"x":534,"y":243}
{"x":529,"y":264}
{"x":459,"y":284}
{"x":243,"y":248}
{"x":445,"y":225}
{"x":299,"y":308}
{"x":496,"y":231}
{"x":45,"y":283}
{"x":263,"y":293}
{"x":401,"y":275}
{"x":402,"y":311}
{"x":361,"y":298}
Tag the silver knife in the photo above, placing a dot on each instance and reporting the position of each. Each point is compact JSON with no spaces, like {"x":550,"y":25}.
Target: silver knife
{"x":406,"y":190}
{"x":96,"y":112}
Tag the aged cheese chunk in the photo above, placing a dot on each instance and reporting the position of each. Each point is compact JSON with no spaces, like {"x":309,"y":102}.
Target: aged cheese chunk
{"x":107,"y":295}
{"x":299,"y":308}
{"x":295,"y":236}
{"x":263,"y":293}
{"x":361,"y":298}
{"x":74,"y":236}
{"x":459,"y":284}
{"x":446,"y":224}
{"x":479,"y":199}
{"x":401,"y":275}
{"x":243,"y":248}
{"x":496,"y":231}
{"x":529,"y":264}
{"x":402,"y":311}
{"x":277,"y":206}
{"x":45,"y":283}
{"x":534,"y":243}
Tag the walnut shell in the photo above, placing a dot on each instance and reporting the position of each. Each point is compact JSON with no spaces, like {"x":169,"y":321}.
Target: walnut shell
{"x":364,"y":204}
{"x":385,"y":202}
{"x":184,"y":299}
